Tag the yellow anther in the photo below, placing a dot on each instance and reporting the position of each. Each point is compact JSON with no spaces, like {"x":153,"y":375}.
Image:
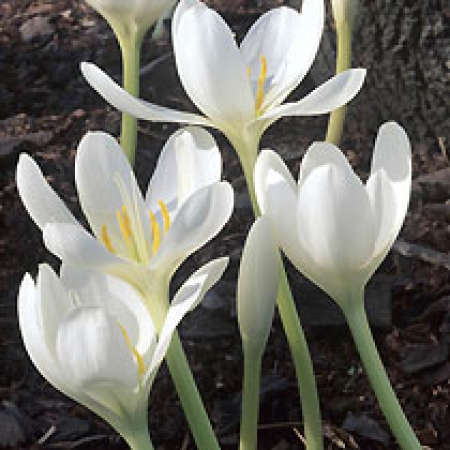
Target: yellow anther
{"x":126,"y":219}
{"x":106,"y":240}
{"x":261,"y":82}
{"x":249,"y":72}
{"x":165,"y":214}
{"x":124,"y":225}
{"x":136,"y":354}
{"x":155,"y":232}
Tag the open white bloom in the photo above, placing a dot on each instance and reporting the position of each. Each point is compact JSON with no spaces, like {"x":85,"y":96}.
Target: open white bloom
{"x":131,"y":16}
{"x":257,"y":285}
{"x":92,"y":338}
{"x":335,"y":229}
{"x":240,"y":89}
{"x":133,"y":238}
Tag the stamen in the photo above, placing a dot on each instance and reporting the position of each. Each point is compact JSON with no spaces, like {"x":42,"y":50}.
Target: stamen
{"x":136,"y":354}
{"x":261,"y":82}
{"x":249,"y":72}
{"x":156,"y":233}
{"x":124,"y":226}
{"x":106,"y":240}
{"x":165,"y":214}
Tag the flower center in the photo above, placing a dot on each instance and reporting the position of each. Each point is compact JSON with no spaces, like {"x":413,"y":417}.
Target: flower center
{"x":132,"y":239}
{"x":260,"y":86}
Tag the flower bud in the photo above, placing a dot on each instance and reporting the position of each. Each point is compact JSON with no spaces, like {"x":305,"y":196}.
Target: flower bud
{"x":257,"y":285}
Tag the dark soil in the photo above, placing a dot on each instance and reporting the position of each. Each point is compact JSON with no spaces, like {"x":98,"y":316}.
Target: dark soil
{"x":46,"y":107}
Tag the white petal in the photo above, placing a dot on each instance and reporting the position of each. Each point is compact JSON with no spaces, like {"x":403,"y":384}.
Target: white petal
{"x":92,"y":348}
{"x":268,"y":161}
{"x":382,"y":196}
{"x":276,"y":191}
{"x":102,"y":175}
{"x":322,"y":153}
{"x":333,"y":94}
{"x":27,"y":304}
{"x":393,"y":154}
{"x":258,"y":284}
{"x":115,"y":296}
{"x":336,"y":226}
{"x":73,"y":245}
{"x":201,"y":217}
{"x":189,"y":161}
{"x":210,"y":66}
{"x":53,"y":305}
{"x":40,"y":200}
{"x":186,"y":299}
{"x":125,"y":102}
{"x":46,"y":364}
{"x":289,"y":41}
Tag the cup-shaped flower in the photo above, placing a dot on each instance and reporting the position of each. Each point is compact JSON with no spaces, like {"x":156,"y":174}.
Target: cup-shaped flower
{"x":133,"y":238}
{"x":93,"y":339}
{"x":131,"y":16}
{"x":240,"y":89}
{"x":257,"y":285}
{"x":335,"y":229}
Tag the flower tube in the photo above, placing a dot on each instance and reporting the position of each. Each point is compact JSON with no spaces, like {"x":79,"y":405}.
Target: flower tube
{"x":241,"y":90}
{"x":337,"y":230}
{"x":139,"y":240}
{"x":93,"y":339}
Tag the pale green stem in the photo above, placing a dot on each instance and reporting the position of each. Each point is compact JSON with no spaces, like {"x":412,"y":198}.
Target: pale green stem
{"x":359,"y":326}
{"x":183,"y":379}
{"x":292,"y":327}
{"x":193,"y":407}
{"x":343,"y":62}
{"x":137,"y":436}
{"x":139,"y":440}
{"x":130,"y":45}
{"x":250,"y":398}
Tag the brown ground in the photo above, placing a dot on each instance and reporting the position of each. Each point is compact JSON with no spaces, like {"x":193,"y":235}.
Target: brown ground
{"x":46,"y":107}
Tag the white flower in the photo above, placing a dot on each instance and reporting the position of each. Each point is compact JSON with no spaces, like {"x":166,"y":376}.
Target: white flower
{"x":240,"y":89}
{"x":130,"y":16}
{"x":335,"y":229}
{"x":92,"y":338}
{"x":133,"y":238}
{"x":257,"y":285}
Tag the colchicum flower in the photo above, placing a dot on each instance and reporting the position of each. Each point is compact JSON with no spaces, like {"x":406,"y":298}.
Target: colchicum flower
{"x":93,"y":339}
{"x":333,"y":228}
{"x":142,"y":241}
{"x":131,"y":16}
{"x":240,"y":89}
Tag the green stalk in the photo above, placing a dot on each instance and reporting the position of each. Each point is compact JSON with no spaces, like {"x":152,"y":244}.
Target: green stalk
{"x":157,"y":303}
{"x":291,"y":323}
{"x":130,"y":45}
{"x":193,"y":407}
{"x":250,"y":398}
{"x":359,"y":326}
{"x":343,"y":62}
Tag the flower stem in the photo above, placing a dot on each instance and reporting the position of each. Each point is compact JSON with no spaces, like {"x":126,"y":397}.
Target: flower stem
{"x":359,"y":326}
{"x":292,"y":328}
{"x":130,"y":45}
{"x":250,"y":398}
{"x":343,"y":62}
{"x":140,"y":441}
{"x":189,"y":396}
{"x":137,"y":436}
